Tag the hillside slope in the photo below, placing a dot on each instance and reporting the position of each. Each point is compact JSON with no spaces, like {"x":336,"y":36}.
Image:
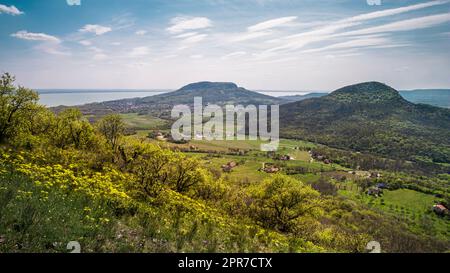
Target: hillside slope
{"x":371,"y":117}
{"x":220,"y":93}
{"x":435,"y":97}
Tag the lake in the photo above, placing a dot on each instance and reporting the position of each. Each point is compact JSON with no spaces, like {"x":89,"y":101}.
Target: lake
{"x":56,"y":97}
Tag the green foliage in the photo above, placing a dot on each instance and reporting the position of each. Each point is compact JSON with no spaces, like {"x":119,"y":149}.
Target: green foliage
{"x":281,"y":200}
{"x":33,"y":219}
{"x":16,"y":106}
{"x":156,"y":168}
{"x":372,"y":118}
{"x":324,"y":186}
{"x":71,"y":129}
{"x":112,"y":128}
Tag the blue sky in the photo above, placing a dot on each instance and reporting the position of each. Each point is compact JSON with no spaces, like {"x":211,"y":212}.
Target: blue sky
{"x":259,"y":44}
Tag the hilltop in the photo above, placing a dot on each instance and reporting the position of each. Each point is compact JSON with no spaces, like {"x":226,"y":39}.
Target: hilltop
{"x":371,"y":117}
{"x":220,"y":93}
{"x":435,"y":97}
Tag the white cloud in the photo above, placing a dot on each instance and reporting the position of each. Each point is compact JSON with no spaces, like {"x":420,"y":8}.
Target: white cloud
{"x":186,"y":35}
{"x":300,"y":40}
{"x":25,"y":35}
{"x":405,"y":25}
{"x":249,"y":36}
{"x":56,"y":51}
{"x":195,"y":39}
{"x":53,"y":48}
{"x":368,"y":41}
{"x":139,"y":51}
{"x":181,"y":24}
{"x":85,"y":43}
{"x":190,"y":38}
{"x":97,"y":29}
{"x":12,"y":10}
{"x":141,"y":32}
{"x":261,"y":29}
{"x":272,"y":23}
{"x":116,"y":43}
{"x":395,"y":11}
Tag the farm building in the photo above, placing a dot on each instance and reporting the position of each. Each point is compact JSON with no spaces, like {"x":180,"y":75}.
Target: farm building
{"x":269,"y":168}
{"x":285,"y":157}
{"x":229,"y":166}
{"x":440,"y":209}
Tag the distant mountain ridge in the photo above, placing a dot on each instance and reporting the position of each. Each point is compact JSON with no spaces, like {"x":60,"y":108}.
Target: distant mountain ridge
{"x":215,"y":93}
{"x":371,"y":117}
{"x":435,"y":97}
{"x":220,"y":93}
{"x":209,"y":86}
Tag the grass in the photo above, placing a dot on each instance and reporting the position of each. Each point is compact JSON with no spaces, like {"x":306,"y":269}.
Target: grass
{"x":413,"y":200}
{"x":33,"y":220}
{"x":143,"y":122}
{"x":410,"y":206}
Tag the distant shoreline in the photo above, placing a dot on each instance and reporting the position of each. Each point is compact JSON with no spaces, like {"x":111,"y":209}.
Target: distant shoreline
{"x":93,"y":91}
{"x":73,"y":97}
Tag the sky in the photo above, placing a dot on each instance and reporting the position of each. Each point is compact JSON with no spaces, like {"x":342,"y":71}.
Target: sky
{"x":299,"y":45}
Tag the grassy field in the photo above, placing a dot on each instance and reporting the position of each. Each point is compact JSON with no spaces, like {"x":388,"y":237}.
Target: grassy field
{"x":142,"y":122}
{"x":410,"y":206}
{"x":413,"y":200}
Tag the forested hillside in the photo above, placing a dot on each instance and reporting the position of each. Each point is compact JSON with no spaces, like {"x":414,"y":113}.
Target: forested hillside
{"x":374,"y":118}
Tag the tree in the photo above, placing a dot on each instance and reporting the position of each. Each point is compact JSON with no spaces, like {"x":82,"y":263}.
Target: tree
{"x":150,"y":165}
{"x":16,"y":105}
{"x":36,"y":128}
{"x":72,"y":129}
{"x":41,"y":121}
{"x":112,"y":128}
{"x":185,"y":174}
{"x":155,"y":168}
{"x":281,"y":200}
